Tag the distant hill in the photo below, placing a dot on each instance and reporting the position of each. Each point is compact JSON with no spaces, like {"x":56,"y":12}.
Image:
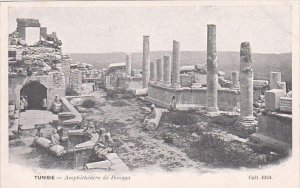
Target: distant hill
{"x":228,"y":61}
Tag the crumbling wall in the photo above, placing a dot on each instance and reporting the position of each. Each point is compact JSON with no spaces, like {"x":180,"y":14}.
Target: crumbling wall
{"x":75,"y":80}
{"x":58,"y":80}
{"x":66,"y":70}
{"x":23,"y":23}
{"x":15,"y":84}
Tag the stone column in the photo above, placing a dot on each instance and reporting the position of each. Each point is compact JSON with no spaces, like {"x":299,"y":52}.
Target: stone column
{"x":159,"y":70}
{"x":152,"y":72}
{"x":235,"y":79}
{"x":175,"y":75}
{"x":128,"y":64}
{"x":167,"y":70}
{"x":275,"y":78}
{"x":246,"y":87}
{"x":212,"y":71}
{"x":146,"y":61}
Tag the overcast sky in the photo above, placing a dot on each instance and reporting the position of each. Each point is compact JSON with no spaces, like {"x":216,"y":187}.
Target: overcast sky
{"x":120,"y":29}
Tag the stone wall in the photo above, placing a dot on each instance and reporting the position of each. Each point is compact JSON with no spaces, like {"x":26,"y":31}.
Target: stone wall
{"x":124,"y":82}
{"x":15,"y":84}
{"x":54,"y":84}
{"x":66,"y":70}
{"x":134,"y":83}
{"x":23,"y":23}
{"x":161,"y":95}
{"x":58,"y":80}
{"x":75,"y":80}
{"x":277,"y":126}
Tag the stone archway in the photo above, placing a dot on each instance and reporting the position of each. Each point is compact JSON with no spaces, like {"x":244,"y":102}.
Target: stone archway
{"x":35,"y":92}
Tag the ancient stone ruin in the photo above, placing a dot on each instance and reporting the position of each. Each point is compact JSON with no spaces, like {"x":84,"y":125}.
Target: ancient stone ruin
{"x":44,"y":80}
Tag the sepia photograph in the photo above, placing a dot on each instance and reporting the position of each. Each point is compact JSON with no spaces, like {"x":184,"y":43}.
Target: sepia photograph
{"x":137,"y":87}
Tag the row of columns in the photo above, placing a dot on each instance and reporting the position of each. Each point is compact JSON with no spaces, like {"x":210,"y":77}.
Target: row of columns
{"x":169,"y":73}
{"x":162,"y":70}
{"x":246,"y":78}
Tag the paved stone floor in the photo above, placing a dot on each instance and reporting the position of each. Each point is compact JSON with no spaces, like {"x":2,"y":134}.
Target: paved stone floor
{"x":30,"y":118}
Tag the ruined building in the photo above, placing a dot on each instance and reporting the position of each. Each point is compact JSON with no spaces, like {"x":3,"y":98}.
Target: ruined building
{"x":120,"y":77}
{"x":186,"y":85}
{"x":37,"y":67}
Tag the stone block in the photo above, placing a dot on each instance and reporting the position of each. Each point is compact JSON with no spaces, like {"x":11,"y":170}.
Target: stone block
{"x":98,"y":165}
{"x":285,"y":104}
{"x":272,"y":99}
{"x":260,"y":83}
{"x":186,"y":80}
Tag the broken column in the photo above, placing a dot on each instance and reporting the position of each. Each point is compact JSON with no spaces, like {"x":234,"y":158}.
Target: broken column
{"x":146,"y":61}
{"x":212,"y":71}
{"x":128,"y":64}
{"x":247,"y":120}
{"x":159,"y":70}
{"x":235,"y":79}
{"x":167,"y":70}
{"x":275,"y":78}
{"x":152,"y":72}
{"x":175,"y":75}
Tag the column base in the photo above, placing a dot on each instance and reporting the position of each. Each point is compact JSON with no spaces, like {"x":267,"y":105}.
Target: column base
{"x":247,"y":124}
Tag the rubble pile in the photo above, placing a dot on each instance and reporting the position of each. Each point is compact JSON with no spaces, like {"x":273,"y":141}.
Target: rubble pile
{"x":37,"y":60}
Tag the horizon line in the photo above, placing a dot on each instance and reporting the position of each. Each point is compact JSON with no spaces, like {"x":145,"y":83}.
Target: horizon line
{"x":269,"y":53}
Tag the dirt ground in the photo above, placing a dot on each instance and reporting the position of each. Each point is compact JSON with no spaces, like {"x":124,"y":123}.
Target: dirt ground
{"x":182,"y":140}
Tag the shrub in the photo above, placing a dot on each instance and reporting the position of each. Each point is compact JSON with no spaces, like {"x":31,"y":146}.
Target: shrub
{"x":88,"y":103}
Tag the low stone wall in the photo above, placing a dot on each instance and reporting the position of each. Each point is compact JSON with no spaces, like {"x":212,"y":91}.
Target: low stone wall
{"x":274,"y":131}
{"x":162,"y":95}
{"x":286,"y":104}
{"x":276,"y":125}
